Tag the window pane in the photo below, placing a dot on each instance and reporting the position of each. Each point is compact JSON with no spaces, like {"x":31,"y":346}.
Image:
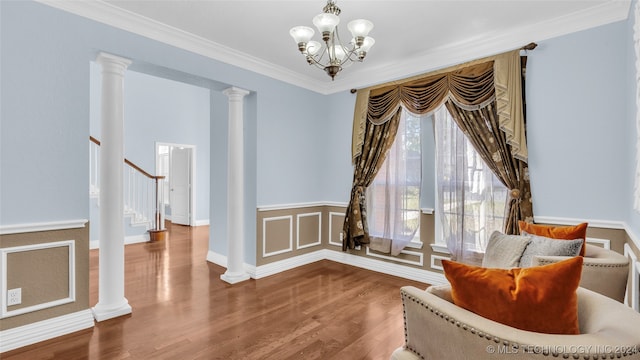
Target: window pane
{"x":471,"y":200}
{"x":393,"y":209}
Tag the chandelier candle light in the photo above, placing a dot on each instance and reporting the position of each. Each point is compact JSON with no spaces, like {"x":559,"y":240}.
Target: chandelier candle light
{"x":336,"y":53}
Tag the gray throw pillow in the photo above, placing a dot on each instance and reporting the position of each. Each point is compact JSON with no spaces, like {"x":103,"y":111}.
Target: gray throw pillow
{"x":544,"y":246}
{"x":504,"y":251}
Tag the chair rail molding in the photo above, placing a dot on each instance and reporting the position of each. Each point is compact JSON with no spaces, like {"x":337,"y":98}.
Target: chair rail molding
{"x":42,"y":226}
{"x":603,"y":224}
{"x":301,"y":205}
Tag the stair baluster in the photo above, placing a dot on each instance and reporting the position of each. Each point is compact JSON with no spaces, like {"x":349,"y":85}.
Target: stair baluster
{"x":143,"y":193}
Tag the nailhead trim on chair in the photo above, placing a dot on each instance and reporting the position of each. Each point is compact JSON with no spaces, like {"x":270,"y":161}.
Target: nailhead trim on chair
{"x":547,"y":262}
{"x":496,"y":339}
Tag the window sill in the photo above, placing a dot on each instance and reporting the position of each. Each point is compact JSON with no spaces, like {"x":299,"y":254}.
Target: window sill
{"x":440,"y":248}
{"x":415,"y":245}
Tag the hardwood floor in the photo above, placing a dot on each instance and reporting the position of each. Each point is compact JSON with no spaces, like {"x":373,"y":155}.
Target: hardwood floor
{"x":182,"y":310}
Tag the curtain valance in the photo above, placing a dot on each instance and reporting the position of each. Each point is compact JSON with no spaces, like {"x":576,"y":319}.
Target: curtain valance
{"x":471,"y":86}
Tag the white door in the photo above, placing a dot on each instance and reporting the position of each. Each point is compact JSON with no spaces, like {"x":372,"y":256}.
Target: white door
{"x":180,"y":185}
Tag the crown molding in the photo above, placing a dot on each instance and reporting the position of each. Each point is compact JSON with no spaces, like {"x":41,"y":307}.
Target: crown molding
{"x":487,"y":45}
{"x":481,"y":46}
{"x":108,"y":14}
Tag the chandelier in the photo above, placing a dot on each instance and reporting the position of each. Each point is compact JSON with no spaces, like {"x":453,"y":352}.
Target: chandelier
{"x":333,"y":55}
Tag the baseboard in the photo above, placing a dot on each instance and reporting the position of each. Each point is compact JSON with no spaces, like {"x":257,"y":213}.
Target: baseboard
{"x":287,"y":264}
{"x":134,"y":239}
{"x":406,"y":272}
{"x":201,"y":222}
{"x":45,"y":330}
{"x":218,"y":259}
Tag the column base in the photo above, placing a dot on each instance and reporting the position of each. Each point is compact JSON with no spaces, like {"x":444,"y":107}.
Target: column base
{"x":234,"y":278}
{"x":101,"y":312}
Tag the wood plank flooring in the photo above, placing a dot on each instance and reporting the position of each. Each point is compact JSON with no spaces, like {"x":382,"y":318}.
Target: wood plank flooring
{"x":182,"y":310}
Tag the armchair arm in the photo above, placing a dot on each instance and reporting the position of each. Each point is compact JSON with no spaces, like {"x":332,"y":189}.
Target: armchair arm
{"x":603,"y":271}
{"x":438,"y":329}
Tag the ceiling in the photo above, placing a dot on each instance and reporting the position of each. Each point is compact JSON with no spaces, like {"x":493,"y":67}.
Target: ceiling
{"x":412,"y":37}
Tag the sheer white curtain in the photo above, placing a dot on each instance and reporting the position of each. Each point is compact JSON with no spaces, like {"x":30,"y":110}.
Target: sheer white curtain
{"x":393,"y":199}
{"x":471,"y":200}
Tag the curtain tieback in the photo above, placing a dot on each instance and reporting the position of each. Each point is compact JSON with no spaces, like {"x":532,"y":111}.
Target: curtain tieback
{"x":516,"y":194}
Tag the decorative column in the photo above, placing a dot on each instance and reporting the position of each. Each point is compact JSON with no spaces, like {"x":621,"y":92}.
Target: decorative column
{"x":235,"y":189}
{"x":111,"y":300}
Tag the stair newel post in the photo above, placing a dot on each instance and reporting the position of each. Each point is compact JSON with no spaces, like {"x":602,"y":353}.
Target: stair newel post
{"x":159,"y":232}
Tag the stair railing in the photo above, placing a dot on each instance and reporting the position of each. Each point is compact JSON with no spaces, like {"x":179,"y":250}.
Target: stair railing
{"x":143,"y":192}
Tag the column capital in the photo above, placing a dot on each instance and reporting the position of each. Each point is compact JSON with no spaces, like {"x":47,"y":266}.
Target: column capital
{"x":235,"y":93}
{"x":112,"y":62}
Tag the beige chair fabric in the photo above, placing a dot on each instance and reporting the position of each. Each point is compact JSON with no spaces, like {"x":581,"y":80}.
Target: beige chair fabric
{"x":603,"y":271}
{"x":435,"y":329}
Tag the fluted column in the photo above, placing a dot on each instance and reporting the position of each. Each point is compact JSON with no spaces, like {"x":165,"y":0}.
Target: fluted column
{"x":111,"y":300}
{"x":235,"y":189}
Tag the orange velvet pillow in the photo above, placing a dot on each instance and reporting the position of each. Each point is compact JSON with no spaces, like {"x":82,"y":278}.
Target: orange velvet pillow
{"x":558,"y":232}
{"x":541,"y":298}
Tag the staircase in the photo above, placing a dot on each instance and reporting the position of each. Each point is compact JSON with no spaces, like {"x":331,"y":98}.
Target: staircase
{"x":143,"y":200}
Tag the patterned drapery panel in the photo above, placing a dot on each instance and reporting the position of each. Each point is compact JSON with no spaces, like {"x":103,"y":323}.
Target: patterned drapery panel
{"x":378,"y":139}
{"x":482,"y":128}
{"x":494,"y":81}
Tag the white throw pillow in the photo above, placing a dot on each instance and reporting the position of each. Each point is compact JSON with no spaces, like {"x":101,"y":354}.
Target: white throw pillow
{"x":504,"y":251}
{"x":544,"y":246}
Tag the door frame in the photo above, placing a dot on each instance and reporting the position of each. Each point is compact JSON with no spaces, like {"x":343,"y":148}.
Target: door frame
{"x":192,"y":174}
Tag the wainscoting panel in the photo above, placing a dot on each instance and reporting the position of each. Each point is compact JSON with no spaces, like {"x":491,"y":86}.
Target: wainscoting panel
{"x":50,"y":264}
{"x":603,"y":243}
{"x":285,"y":233}
{"x":277,"y":235}
{"x":632,"y":297}
{"x":405,"y":257}
{"x":308,"y":230}
{"x":436,"y":261}
{"x":42,"y":286}
{"x":336,"y":221}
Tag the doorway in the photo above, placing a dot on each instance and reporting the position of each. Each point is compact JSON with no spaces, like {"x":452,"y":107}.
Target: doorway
{"x":176,"y":162}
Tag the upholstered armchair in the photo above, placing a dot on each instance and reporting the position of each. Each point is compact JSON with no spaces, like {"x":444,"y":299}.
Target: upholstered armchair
{"x":603,"y":271}
{"x":435,"y":328}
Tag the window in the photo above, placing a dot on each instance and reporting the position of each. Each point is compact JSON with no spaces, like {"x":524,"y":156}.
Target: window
{"x":470,"y":200}
{"x":393,"y":199}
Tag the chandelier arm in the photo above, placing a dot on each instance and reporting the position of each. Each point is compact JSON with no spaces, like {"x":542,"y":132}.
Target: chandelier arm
{"x":317,"y":64}
{"x":318,"y":59}
{"x":349,"y":51}
{"x":338,"y":54}
{"x":348,"y":60}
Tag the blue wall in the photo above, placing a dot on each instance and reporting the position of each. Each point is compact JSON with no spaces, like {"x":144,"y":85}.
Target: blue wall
{"x":581,"y":124}
{"x":631,"y":136}
{"x":45,"y":120}
{"x":44,"y":117}
{"x":577,"y":125}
